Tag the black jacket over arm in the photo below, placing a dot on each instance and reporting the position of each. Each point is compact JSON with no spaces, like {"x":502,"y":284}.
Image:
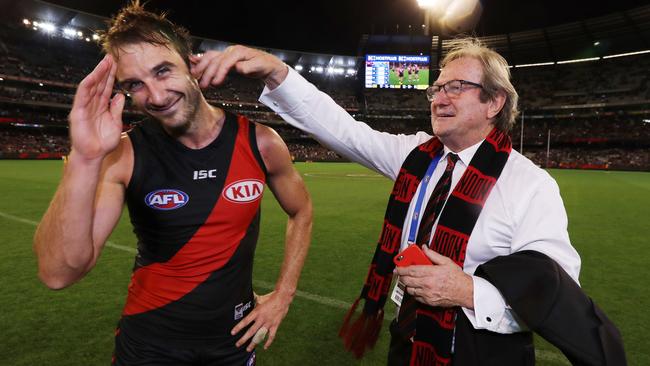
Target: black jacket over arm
{"x":551,"y":304}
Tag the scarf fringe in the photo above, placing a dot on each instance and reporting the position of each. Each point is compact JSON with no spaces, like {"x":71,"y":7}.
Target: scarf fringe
{"x":363,"y":333}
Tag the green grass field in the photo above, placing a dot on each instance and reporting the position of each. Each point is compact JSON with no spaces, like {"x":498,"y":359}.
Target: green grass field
{"x":608,"y":218}
{"x":393,"y":78}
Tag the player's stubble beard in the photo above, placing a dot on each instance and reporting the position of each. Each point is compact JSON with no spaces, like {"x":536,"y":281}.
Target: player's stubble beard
{"x":187,"y":115}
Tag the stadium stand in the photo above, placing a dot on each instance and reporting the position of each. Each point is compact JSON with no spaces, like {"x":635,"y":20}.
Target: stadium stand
{"x":588,"y":115}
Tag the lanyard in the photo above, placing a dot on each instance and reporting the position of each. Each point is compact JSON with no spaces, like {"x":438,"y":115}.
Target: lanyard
{"x":415,"y":219}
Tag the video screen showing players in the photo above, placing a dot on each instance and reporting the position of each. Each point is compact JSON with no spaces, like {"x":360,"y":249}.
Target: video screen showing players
{"x":397,"y":71}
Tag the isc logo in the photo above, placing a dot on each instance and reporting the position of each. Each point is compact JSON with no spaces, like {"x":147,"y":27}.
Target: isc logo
{"x":205,"y":174}
{"x":243,"y":191}
{"x":166,"y":199}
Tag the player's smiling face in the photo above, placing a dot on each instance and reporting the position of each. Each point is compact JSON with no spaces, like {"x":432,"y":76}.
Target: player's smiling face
{"x":159,"y":83}
{"x":460,"y":120}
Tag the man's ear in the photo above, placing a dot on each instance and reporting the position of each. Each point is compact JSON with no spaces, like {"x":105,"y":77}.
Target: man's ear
{"x":496,"y":104}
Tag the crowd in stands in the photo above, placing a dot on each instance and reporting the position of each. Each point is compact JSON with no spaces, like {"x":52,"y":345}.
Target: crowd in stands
{"x":599,"y":158}
{"x":592,"y":111}
{"x":33,"y":141}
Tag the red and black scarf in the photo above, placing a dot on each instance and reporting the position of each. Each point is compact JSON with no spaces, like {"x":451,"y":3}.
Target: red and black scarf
{"x":434,"y":327}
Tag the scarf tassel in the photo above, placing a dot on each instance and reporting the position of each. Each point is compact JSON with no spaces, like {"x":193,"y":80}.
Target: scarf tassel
{"x":363,"y":333}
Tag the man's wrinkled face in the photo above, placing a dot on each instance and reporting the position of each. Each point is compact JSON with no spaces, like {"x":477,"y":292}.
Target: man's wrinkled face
{"x":456,"y":116}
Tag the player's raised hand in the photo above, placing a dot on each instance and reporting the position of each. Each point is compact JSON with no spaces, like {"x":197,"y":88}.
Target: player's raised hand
{"x":213,"y":66}
{"x":95,"y":119}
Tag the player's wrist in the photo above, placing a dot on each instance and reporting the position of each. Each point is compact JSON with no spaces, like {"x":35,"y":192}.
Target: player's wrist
{"x":286,"y":293}
{"x":77,"y":160}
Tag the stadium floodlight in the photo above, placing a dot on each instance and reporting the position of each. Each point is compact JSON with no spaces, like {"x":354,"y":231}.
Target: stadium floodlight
{"x":578,"y":60}
{"x":40,"y":84}
{"x":319,"y":69}
{"x":627,"y":54}
{"x":352,"y":71}
{"x":87,"y":39}
{"x":26,"y":21}
{"x":298,"y":67}
{"x":535,"y":64}
{"x":426,"y":3}
{"x":48,"y":27}
{"x":2,"y":79}
{"x":96,"y":37}
{"x":435,"y":5}
{"x":70,"y":32}
{"x":80,"y":34}
{"x":330,"y":70}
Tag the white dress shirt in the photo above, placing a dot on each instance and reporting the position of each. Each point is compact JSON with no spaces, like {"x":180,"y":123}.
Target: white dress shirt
{"x":524,"y":211}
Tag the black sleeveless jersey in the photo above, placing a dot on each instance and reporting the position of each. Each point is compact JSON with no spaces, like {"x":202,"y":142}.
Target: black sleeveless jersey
{"x":196,"y":216}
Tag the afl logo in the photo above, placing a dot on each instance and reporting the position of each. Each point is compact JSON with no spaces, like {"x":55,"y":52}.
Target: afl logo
{"x":243,"y":191}
{"x":166,"y":199}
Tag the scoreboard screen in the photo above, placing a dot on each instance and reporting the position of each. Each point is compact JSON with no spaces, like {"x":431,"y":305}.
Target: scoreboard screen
{"x":397,"y":71}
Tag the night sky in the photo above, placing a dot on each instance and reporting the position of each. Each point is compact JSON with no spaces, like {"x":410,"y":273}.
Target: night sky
{"x":335,"y":26}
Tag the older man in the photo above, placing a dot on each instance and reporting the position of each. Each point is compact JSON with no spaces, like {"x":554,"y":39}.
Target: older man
{"x":464,"y":196}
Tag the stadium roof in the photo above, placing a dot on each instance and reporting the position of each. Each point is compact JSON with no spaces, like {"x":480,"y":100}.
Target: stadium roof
{"x":525,"y":31}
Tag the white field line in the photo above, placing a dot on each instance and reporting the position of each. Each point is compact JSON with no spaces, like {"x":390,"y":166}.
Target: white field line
{"x":323,"y":300}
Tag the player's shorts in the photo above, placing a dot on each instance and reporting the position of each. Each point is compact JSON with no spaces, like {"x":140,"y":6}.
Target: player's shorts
{"x":138,"y":351}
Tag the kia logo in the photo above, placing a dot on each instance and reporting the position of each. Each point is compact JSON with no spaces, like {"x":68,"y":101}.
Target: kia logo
{"x":244,"y":191}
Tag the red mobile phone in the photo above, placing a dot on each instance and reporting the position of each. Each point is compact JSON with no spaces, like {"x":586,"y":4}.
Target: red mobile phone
{"x":411,"y":256}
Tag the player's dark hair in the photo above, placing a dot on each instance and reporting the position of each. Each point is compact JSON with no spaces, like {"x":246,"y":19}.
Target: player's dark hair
{"x":133,"y":24}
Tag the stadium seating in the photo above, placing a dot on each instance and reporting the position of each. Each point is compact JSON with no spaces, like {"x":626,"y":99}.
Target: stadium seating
{"x":594,"y":112}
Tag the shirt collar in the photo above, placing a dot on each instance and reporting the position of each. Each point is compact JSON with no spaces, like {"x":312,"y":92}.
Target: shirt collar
{"x":465,"y":156}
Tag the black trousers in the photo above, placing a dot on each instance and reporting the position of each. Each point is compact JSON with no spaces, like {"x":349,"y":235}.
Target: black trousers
{"x":399,"y":351}
{"x":480,"y":347}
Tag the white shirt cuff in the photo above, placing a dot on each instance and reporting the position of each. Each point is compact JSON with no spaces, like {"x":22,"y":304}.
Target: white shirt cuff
{"x":490,"y":309}
{"x":288,"y":95}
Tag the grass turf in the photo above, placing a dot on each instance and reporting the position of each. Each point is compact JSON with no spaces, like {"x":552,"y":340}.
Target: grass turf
{"x":608,"y":216}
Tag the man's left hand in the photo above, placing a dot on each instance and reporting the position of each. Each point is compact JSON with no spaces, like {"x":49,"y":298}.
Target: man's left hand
{"x":442,"y":284}
{"x":268,"y":313}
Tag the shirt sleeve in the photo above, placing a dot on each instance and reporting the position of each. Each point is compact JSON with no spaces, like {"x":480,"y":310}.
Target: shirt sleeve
{"x":491,"y":311}
{"x":303,"y":106}
{"x":541,"y":225}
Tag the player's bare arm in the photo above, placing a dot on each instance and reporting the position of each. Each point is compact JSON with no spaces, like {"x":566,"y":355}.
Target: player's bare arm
{"x":89,"y":199}
{"x":289,"y":189}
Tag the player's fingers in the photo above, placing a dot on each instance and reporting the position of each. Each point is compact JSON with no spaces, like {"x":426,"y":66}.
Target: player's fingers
{"x":88,"y":86}
{"x":258,"y":338}
{"x":117,"y":106}
{"x":271,"y":338}
{"x":103,"y":79}
{"x":244,"y":323}
{"x":110,"y":80}
{"x":248,"y":335}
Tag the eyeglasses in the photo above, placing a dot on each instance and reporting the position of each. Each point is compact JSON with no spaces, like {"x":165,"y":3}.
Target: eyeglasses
{"x":452,"y":88}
